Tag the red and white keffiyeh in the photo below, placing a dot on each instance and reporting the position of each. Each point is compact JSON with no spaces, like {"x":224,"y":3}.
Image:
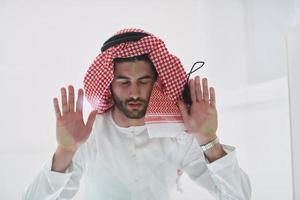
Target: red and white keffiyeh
{"x":163,"y":117}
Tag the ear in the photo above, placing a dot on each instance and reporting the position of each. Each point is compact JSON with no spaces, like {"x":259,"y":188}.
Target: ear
{"x":111,"y":92}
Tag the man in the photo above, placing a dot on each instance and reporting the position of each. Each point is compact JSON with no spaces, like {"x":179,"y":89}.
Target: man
{"x":141,"y":132}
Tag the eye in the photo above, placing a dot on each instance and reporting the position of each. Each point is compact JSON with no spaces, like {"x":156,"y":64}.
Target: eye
{"x":144,"y":81}
{"x":125,"y":82}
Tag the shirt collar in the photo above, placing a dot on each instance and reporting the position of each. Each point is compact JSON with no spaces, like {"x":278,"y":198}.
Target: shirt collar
{"x":131,"y":130}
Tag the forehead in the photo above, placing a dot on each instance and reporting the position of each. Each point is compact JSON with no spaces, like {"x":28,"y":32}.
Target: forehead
{"x":133,"y":68}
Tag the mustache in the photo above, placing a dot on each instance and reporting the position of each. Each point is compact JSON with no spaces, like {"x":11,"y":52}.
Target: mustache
{"x":131,"y":100}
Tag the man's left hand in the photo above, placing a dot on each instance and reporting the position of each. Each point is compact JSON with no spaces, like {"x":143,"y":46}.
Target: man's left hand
{"x":200,"y":119}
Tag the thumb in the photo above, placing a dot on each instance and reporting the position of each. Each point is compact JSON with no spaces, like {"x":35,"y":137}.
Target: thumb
{"x":91,"y":119}
{"x":183,"y":109}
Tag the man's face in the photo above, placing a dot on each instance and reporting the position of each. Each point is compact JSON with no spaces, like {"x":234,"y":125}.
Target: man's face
{"x":131,"y":88}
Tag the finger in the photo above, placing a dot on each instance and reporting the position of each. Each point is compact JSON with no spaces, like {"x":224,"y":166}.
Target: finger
{"x":212,"y":96}
{"x":205,"y":89}
{"x":79,"y":103}
{"x":56,"y":108}
{"x":184,"y":110}
{"x":91,"y":119}
{"x":192,"y":90}
{"x":65,"y":107}
{"x":198,"y":88}
{"x":71,"y":98}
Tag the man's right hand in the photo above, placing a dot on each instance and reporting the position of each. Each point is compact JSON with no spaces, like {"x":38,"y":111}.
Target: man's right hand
{"x":71,"y":131}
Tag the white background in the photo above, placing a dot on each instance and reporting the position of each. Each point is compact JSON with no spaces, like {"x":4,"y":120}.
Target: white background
{"x":48,"y":44}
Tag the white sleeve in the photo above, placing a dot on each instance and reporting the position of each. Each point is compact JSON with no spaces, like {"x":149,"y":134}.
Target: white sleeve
{"x":53,"y":185}
{"x":223,"y":178}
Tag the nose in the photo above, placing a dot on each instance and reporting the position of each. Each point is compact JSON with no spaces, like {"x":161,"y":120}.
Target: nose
{"x":134,"y":91}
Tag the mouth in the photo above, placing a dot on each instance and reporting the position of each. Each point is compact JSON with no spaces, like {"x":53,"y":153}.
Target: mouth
{"x":135,"y":105}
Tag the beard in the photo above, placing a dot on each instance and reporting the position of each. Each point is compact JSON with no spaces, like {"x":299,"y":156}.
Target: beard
{"x":133,"y":113}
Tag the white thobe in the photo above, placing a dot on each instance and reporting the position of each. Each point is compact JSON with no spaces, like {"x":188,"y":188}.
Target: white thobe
{"x":118,"y":163}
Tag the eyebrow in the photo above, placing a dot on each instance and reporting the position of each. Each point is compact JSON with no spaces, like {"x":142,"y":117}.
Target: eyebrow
{"x":125,"y":77}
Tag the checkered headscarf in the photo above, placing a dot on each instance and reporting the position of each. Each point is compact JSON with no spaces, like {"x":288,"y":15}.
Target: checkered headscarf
{"x":166,"y":90}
